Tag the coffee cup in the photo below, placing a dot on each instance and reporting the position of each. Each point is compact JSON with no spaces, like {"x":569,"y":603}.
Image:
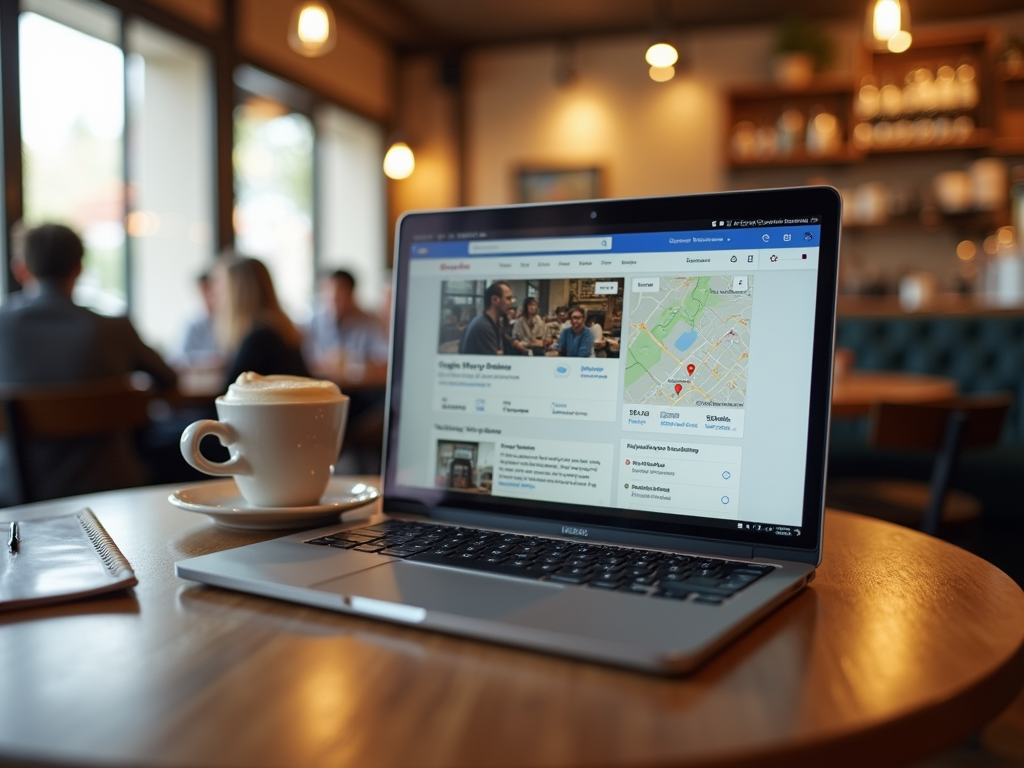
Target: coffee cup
{"x":283,"y":435}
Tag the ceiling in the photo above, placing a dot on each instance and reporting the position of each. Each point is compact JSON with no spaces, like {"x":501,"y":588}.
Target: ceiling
{"x":413,"y":25}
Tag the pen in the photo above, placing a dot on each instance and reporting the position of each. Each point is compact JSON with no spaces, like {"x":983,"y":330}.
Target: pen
{"x":15,"y":538}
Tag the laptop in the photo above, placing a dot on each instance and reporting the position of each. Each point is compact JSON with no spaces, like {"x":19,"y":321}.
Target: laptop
{"x":634,"y":481}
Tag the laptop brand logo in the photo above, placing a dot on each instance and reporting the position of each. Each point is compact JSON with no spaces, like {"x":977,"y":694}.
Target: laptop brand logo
{"x":569,"y":530}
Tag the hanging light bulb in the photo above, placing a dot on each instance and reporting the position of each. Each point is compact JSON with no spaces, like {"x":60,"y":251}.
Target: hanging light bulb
{"x":886,"y":19}
{"x":889,"y":23}
{"x":399,"y":162}
{"x":662,"y":55}
{"x":312,"y":31}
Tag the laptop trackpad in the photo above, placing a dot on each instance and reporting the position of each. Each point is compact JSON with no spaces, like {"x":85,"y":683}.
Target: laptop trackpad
{"x":462,"y":593}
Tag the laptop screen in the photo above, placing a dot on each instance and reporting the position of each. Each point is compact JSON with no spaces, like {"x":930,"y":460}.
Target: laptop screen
{"x":661,"y":365}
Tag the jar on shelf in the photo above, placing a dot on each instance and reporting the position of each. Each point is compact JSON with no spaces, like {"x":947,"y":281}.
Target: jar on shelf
{"x":789,"y":130}
{"x":823,"y":134}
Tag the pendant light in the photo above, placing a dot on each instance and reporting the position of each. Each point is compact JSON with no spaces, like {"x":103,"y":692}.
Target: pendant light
{"x":399,"y":162}
{"x":889,"y":25}
{"x":312,"y":31}
{"x":661,"y":55}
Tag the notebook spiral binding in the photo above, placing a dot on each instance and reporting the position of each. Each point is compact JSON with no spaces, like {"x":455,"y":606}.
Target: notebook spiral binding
{"x":111,"y":556}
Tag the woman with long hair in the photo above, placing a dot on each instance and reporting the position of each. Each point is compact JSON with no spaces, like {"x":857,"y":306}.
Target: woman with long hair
{"x":252,"y":328}
{"x":530,"y":327}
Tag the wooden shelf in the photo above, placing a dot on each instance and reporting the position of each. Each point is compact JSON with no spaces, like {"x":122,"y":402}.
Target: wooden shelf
{"x":1009,"y":145}
{"x":797,"y":159}
{"x":1009,"y":107}
{"x":824,"y":86}
{"x":997,"y":115}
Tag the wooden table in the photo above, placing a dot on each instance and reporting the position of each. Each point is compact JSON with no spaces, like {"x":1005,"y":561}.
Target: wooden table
{"x":854,"y":392}
{"x":903,"y":645}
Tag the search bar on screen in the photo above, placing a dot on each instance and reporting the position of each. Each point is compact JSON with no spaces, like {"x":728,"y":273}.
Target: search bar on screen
{"x":540,"y":245}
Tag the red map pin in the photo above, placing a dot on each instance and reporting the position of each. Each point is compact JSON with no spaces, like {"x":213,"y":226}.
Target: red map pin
{"x":691,"y":368}
{"x":679,"y":388}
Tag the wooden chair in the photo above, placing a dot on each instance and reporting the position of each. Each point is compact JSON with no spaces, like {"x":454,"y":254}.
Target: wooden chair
{"x":944,"y":428}
{"x":61,"y":412}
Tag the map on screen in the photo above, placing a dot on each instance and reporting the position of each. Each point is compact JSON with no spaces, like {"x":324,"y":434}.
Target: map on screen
{"x":689,"y":341}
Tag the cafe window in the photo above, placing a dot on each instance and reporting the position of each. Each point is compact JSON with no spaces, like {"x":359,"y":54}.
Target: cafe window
{"x":72,"y":126}
{"x":274,"y":184}
{"x":117,"y":118}
{"x":171,"y":180}
{"x":351,"y":195}
{"x":461,"y":301}
{"x":117,"y":139}
{"x":309,"y":192}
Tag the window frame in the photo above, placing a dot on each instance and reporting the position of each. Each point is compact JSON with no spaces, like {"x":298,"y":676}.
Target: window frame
{"x":226,"y":60}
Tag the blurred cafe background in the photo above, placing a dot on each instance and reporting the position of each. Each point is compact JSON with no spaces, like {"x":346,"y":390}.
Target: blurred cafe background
{"x":166,"y":131}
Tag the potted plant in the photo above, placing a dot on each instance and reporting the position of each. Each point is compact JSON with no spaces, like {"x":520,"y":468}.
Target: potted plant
{"x":801,"y":49}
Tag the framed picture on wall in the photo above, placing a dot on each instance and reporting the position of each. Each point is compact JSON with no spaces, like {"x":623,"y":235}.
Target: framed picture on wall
{"x":551,"y":185}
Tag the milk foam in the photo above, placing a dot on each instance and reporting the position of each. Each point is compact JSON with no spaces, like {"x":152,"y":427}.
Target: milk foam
{"x":253,"y":388}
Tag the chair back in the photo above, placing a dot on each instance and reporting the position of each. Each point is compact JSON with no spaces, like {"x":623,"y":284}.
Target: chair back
{"x":65,"y":412}
{"x":945,"y":427}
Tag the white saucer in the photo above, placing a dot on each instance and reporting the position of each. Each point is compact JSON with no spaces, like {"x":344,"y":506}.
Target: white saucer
{"x":222,"y":502}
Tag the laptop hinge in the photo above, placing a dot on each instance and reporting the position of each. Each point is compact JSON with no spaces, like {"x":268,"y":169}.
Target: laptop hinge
{"x":780,"y":553}
{"x":583,"y":532}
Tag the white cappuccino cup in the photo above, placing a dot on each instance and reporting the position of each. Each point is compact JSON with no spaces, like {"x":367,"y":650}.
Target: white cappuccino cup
{"x":283,"y":434}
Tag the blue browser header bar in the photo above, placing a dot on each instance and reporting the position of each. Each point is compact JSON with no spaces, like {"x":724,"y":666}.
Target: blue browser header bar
{"x":795,"y":236}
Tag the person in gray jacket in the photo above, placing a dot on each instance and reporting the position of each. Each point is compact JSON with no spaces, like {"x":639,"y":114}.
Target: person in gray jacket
{"x":46,"y":340}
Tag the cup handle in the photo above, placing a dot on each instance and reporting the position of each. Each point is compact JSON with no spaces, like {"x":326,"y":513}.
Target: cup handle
{"x":193,"y":435}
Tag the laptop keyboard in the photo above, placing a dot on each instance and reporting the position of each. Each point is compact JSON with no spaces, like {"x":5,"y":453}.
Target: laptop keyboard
{"x":636,"y":571}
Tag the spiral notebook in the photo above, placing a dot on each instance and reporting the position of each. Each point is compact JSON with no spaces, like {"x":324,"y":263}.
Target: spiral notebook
{"x":58,"y":559}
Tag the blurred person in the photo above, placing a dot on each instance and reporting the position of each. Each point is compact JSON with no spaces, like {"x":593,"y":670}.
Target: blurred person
{"x":344,"y":341}
{"x":47,"y":339}
{"x":254,"y":331}
{"x":386,"y":302}
{"x":593,"y":323}
{"x":562,"y":313}
{"x":350,"y":346}
{"x":576,"y":340}
{"x":555,"y":324}
{"x":530,"y":328}
{"x":199,"y":347}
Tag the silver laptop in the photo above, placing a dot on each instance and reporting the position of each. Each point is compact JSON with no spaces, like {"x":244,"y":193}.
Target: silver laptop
{"x":607,"y":429}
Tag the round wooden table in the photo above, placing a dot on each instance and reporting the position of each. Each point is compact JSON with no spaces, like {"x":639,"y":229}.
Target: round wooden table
{"x":854,"y":392}
{"x":904,"y":645}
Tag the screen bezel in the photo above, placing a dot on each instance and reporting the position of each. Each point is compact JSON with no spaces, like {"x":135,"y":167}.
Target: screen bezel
{"x":609,"y":217}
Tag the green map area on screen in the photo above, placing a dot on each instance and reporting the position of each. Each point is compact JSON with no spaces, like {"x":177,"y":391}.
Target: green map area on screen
{"x":688,"y":342}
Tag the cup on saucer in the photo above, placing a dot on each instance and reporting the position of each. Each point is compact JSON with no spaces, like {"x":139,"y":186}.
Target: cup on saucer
{"x":283,"y":435}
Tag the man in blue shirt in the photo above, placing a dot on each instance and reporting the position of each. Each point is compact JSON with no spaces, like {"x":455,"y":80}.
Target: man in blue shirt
{"x":348,"y":345}
{"x":576,"y":340}
{"x":200,"y":348}
{"x":343,"y":341}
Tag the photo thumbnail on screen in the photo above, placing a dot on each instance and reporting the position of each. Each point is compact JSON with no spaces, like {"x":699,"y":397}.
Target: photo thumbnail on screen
{"x":465,"y":466}
{"x":569,"y":317}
